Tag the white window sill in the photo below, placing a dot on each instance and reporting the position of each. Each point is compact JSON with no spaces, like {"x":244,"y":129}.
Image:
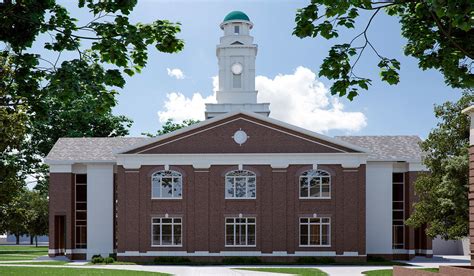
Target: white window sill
{"x":315,"y":198}
{"x":167,"y":245}
{"x":167,"y":198}
{"x":241,"y":246}
{"x":306,"y":246}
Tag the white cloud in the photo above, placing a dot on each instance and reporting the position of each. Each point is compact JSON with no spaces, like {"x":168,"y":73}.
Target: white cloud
{"x":179,"y":107}
{"x":175,"y":73}
{"x":299,"y":99}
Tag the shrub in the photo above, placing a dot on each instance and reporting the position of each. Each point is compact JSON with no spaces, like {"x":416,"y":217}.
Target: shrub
{"x":241,"y":260}
{"x":171,"y":260}
{"x":315,"y":260}
{"x":109,"y":260}
{"x":113,"y":256}
{"x":97,"y":259}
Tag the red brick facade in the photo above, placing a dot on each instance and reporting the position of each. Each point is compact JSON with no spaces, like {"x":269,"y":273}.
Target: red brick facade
{"x":277,"y":209}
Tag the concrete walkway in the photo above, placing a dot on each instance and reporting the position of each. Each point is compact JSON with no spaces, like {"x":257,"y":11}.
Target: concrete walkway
{"x":333,"y":270}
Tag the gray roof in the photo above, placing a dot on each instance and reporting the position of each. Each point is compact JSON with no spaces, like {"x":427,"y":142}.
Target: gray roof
{"x":90,"y":149}
{"x":382,"y":148}
{"x":388,"y":148}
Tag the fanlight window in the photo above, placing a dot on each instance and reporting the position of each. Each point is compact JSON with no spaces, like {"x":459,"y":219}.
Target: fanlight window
{"x":315,"y":184}
{"x":240,"y":184}
{"x":167,"y":184}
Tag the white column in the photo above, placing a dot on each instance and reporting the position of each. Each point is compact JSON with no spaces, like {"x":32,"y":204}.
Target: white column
{"x":100,"y":216}
{"x":379,"y":207}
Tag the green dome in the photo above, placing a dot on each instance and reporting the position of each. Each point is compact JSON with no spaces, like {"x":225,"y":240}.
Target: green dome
{"x":236,"y":15}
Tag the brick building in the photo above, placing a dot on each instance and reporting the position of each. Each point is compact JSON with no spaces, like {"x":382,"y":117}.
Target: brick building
{"x":237,"y":184}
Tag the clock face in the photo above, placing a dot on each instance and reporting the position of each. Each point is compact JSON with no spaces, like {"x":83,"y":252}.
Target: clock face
{"x":237,"y":68}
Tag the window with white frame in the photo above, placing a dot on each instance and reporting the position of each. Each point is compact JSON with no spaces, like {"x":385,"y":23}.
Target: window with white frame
{"x":240,"y":231}
{"x":240,"y":184}
{"x":167,"y":184}
{"x":315,"y":184}
{"x":315,"y":231}
{"x":166,"y":232}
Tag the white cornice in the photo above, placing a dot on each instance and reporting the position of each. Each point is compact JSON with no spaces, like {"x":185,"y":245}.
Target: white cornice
{"x":276,"y":160}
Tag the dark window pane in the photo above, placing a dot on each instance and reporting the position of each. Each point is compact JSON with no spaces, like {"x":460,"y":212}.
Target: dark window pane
{"x":397,"y":214}
{"x":81,"y":206}
{"x":81,"y":215}
{"x":397,"y":177}
{"x":81,"y":193}
{"x":397,"y":192}
{"x":398,"y":205}
{"x":314,"y":189}
{"x":81,"y":178}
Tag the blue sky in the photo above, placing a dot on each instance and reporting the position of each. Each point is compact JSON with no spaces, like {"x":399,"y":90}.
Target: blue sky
{"x":406,"y":108}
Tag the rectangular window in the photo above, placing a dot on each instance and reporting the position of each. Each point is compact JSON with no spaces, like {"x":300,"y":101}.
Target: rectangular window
{"x":81,"y":211}
{"x":315,"y":232}
{"x":240,"y":232}
{"x":166,"y":232}
{"x":236,"y":30}
{"x":237,"y":81}
{"x":398,"y":211}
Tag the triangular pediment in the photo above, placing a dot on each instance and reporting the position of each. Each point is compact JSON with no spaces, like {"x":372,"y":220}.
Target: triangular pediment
{"x":264,"y":135}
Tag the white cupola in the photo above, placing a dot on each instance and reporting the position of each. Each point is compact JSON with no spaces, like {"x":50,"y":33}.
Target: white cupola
{"x":236,"y":55}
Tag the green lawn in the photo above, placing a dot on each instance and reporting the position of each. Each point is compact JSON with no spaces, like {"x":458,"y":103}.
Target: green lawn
{"x":21,"y":252}
{"x":28,"y":271}
{"x":38,"y":263}
{"x":288,"y":270}
{"x":389,"y":272}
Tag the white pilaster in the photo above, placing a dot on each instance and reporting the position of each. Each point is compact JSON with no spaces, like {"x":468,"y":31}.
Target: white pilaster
{"x":100,"y":220}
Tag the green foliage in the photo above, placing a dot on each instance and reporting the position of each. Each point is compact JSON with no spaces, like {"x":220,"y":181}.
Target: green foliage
{"x":38,"y":218}
{"x":443,"y":194}
{"x":97,"y":259}
{"x":15,"y":215}
{"x":70,"y":90}
{"x":109,"y":260}
{"x":439,"y":34}
{"x":171,"y":126}
{"x":171,"y":260}
{"x":241,"y":260}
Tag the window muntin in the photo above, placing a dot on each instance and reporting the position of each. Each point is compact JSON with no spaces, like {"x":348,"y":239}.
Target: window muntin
{"x":240,"y":232}
{"x":81,"y":211}
{"x":315,"y":184}
{"x":240,"y":184}
{"x":315,"y":232}
{"x":166,"y":232}
{"x":167,"y":185}
{"x":398,"y":211}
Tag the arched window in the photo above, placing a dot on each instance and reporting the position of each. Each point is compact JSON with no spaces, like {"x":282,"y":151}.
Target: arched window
{"x":167,"y":184}
{"x":315,"y":184}
{"x":240,"y":184}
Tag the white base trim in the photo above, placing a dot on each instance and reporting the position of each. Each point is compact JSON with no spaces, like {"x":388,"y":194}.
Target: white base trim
{"x":404,"y":251}
{"x":424,"y":251}
{"x":237,"y":253}
{"x":76,"y":251}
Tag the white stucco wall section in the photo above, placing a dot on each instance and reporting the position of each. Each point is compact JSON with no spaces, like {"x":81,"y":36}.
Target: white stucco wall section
{"x":100,"y":192}
{"x":379,"y":207}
